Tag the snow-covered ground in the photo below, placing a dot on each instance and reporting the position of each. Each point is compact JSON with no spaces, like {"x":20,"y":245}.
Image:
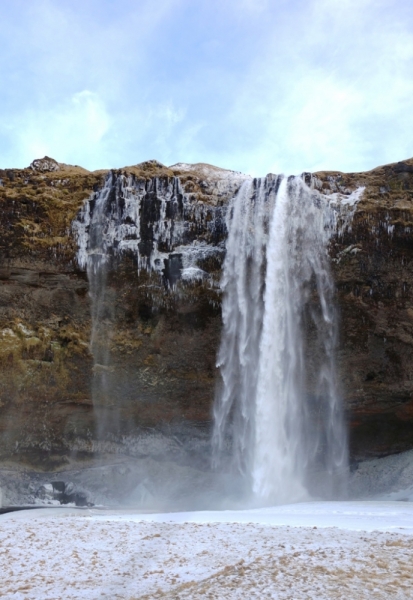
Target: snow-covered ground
{"x":318,"y":550}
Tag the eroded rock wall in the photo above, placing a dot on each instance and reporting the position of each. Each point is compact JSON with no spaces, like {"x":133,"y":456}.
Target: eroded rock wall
{"x":161,"y":334}
{"x":163,"y":331}
{"x":373,"y":271}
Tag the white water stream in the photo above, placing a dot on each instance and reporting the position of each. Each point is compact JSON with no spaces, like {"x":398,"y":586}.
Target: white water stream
{"x":278,"y":407}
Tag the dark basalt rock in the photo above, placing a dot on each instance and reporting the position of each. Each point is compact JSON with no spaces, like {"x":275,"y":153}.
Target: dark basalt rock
{"x":403,"y":167}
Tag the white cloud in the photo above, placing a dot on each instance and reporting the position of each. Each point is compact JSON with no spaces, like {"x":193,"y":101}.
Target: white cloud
{"x":167,"y":114}
{"x":331,"y":92}
{"x":252,"y":85}
{"x":69,"y":132}
{"x":252,"y":6}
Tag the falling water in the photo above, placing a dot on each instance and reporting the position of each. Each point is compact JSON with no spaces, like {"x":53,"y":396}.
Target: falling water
{"x":102,"y":310}
{"x":96,"y":249}
{"x":278,"y":406}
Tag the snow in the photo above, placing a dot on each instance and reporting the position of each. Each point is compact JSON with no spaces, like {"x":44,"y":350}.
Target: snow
{"x":209,"y":171}
{"x":353,"y":199}
{"x":315,"y":550}
{"x":386,"y":478}
{"x":357,"y":516}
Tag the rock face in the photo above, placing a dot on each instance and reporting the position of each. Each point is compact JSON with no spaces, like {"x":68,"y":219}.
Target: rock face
{"x":372,"y":265}
{"x":102,"y":351}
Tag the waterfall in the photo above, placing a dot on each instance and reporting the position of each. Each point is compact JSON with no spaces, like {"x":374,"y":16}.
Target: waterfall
{"x":102,"y":309}
{"x":278,"y":407}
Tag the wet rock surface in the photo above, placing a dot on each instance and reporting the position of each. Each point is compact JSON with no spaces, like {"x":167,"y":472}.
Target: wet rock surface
{"x":162,"y":326}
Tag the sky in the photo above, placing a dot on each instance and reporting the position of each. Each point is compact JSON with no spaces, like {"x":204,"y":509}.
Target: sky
{"x":256,"y":86}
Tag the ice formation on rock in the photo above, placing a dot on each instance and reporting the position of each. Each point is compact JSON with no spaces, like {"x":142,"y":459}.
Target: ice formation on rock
{"x":153,"y":219}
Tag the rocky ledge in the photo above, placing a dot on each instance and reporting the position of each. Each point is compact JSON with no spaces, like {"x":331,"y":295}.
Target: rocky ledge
{"x":159,"y":309}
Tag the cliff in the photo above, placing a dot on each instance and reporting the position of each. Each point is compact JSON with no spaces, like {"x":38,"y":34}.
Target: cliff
{"x":158,"y":309}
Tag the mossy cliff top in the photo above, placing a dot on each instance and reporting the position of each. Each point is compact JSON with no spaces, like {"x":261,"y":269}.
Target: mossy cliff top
{"x":387,"y":187}
{"x":38,"y":203}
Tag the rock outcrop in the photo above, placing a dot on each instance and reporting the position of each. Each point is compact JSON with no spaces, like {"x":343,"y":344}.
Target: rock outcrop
{"x":158,"y":313}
